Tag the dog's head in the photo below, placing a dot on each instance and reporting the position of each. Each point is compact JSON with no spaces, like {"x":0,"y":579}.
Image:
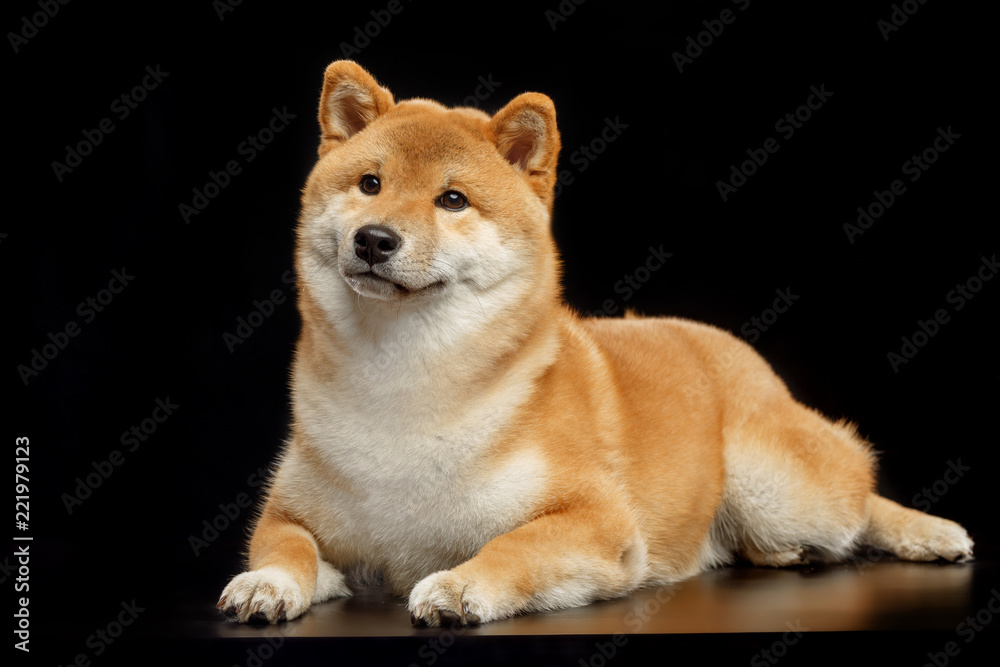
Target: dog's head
{"x":413,"y":204}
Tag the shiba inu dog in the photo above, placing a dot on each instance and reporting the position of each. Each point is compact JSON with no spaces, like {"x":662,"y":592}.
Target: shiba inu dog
{"x":461,"y":431}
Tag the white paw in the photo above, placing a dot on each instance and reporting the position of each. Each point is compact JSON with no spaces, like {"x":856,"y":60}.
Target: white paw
{"x":935,"y":538}
{"x":446,"y":599}
{"x":269,"y":594}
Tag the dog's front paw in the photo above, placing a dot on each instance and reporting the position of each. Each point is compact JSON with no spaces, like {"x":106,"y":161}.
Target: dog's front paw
{"x":269,"y":594}
{"x":447,"y":599}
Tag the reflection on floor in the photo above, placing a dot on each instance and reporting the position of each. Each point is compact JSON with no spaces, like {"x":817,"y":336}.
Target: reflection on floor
{"x":865,"y":595}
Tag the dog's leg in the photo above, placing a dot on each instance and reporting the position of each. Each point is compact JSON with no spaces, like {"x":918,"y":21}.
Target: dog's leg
{"x":796,"y":488}
{"x":558,"y":560}
{"x":285,"y":574}
{"x":913,"y":535}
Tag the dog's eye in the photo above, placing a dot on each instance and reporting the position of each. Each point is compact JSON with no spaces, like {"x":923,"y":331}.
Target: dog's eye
{"x":370,"y":185}
{"x":453,"y":201}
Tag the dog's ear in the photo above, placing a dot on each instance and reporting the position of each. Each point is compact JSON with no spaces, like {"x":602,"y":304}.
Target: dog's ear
{"x":525,"y":133}
{"x":351,"y":100}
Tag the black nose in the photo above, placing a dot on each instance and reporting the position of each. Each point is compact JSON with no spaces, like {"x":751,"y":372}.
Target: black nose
{"x":375,"y":243}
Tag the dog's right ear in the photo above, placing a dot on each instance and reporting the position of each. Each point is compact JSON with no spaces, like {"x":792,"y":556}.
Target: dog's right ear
{"x":351,"y":100}
{"x":526,"y":135}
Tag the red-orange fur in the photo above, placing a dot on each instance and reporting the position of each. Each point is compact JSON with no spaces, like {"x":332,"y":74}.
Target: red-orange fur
{"x":634,"y":452}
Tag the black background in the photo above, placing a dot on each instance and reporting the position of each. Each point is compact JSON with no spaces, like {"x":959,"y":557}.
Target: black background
{"x":655,"y":184}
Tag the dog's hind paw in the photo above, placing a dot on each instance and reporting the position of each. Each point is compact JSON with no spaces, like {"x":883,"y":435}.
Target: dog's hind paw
{"x":934,"y":538}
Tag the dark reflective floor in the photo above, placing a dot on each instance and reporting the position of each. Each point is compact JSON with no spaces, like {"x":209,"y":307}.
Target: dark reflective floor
{"x":862,"y":596}
{"x":871,"y":611}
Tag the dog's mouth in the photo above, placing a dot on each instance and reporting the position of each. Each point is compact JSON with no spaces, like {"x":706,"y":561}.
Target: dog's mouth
{"x":370,"y":284}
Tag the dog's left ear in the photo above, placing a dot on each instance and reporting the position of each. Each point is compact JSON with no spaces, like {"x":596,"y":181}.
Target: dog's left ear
{"x":525,"y":133}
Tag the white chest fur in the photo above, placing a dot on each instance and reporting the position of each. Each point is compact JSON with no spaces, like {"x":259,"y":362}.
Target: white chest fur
{"x":403,"y":480}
